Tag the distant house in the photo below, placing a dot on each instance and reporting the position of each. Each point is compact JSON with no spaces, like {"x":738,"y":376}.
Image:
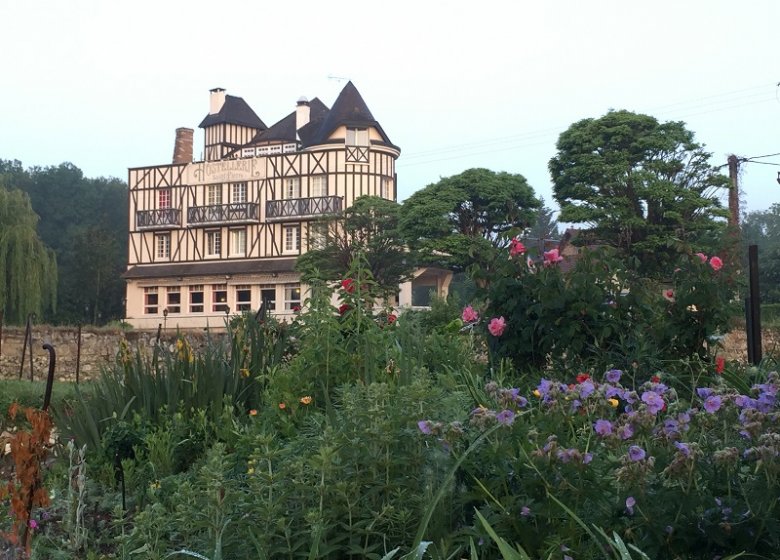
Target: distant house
{"x":220,"y":236}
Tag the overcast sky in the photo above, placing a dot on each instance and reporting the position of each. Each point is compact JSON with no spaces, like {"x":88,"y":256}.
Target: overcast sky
{"x":455,"y":84}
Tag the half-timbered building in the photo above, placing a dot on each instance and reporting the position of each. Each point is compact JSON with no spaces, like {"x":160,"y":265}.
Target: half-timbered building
{"x":218,"y":236}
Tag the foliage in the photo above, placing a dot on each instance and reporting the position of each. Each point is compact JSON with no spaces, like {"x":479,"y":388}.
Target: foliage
{"x":601,"y":314}
{"x":30,"y":394}
{"x":641,"y":186}
{"x":368,"y":230}
{"x":28,"y":268}
{"x":84,"y":221}
{"x":762,"y":228}
{"x":461,"y":219}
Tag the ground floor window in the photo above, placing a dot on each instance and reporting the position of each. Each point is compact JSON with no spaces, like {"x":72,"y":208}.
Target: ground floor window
{"x":174,"y":299}
{"x":292,"y":297}
{"x":219,"y":298}
{"x":196,"y":299}
{"x":244,"y":298}
{"x":268,"y":297}
{"x":151,"y":300}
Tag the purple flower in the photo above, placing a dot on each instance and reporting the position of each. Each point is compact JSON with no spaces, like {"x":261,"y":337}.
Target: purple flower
{"x":544,"y":387}
{"x":525,"y":511}
{"x":602,"y":427}
{"x":630,"y":503}
{"x":613,"y":375}
{"x":683,"y":447}
{"x":521,"y":402}
{"x":425,"y":427}
{"x":654,"y":401}
{"x":636,"y":453}
{"x":712,"y":404}
{"x":505,"y":417}
{"x":625,"y":431}
{"x":586,"y":388}
{"x":612,"y":392}
{"x":703,"y":392}
{"x":587,"y":458}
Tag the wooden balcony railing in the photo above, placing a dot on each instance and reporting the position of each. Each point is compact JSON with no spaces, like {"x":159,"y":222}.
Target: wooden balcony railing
{"x":165,"y":218}
{"x":280,"y":210}
{"x":240,"y":212}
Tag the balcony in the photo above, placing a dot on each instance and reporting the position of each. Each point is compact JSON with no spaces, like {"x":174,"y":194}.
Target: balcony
{"x":301,"y":208}
{"x":237,"y":213}
{"x":165,"y":218}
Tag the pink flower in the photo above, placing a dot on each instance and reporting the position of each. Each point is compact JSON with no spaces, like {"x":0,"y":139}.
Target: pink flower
{"x":668,"y":295}
{"x":516,"y":247}
{"x":716,"y":263}
{"x":33,"y":524}
{"x":469,"y":315}
{"x":552,"y":257}
{"x":702,"y":257}
{"x":497,"y":326}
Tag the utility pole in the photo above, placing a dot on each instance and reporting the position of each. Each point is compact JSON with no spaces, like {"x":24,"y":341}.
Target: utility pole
{"x":733,"y":162}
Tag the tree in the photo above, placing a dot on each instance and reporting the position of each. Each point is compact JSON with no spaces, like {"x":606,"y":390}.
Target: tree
{"x":644,"y":187}
{"x":464,"y":219}
{"x":545,"y":228}
{"x":762,"y":228}
{"x":28,"y":269}
{"x":368,"y":227}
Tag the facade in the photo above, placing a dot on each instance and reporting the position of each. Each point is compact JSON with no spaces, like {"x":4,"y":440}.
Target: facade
{"x":221,"y":236}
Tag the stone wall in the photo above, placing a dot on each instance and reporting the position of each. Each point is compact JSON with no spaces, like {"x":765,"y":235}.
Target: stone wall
{"x":99,"y":348}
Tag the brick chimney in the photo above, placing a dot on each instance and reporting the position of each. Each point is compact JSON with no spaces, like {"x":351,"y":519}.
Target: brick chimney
{"x":216,"y":100}
{"x":302,"y":112}
{"x":182,"y":149}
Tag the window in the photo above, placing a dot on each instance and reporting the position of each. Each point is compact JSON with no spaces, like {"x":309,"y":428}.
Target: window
{"x":214,"y":195}
{"x":384,"y":187}
{"x":243,"y":298}
{"x":357,"y":137}
{"x":268,"y":297}
{"x":196,"y":299}
{"x":318,"y":186}
{"x":164,"y":198}
{"x":292,"y":296}
{"x":238,"y":192}
{"x":150,"y":300}
{"x":318,"y":235}
{"x":219,"y":298}
{"x":292,"y":235}
{"x":174,"y":299}
{"x":213,"y":243}
{"x":163,"y":246}
{"x":292,"y":187}
{"x":238,"y":242}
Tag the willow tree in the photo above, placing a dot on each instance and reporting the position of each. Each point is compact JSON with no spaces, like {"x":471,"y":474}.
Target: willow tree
{"x":28,"y":269}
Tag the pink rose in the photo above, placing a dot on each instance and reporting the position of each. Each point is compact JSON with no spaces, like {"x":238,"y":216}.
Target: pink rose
{"x":516,"y":247}
{"x":469,"y":315}
{"x":552,"y":257}
{"x":716,"y":263}
{"x":497,"y":326}
{"x":702,"y":257}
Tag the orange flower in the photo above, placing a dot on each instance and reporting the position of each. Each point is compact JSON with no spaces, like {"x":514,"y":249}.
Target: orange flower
{"x":306,"y":400}
{"x":253,"y":412}
{"x":244,"y":372}
{"x":282,"y":406}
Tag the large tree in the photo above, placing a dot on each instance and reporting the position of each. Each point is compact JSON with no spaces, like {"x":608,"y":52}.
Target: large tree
{"x":28,"y":269}
{"x":369,"y":227}
{"x":462,"y":220}
{"x":762,"y":228}
{"x":644,"y":187}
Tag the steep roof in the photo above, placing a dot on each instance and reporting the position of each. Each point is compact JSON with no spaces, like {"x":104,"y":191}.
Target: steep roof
{"x":284,"y":130}
{"x":349,"y":109}
{"x":234,"y":111}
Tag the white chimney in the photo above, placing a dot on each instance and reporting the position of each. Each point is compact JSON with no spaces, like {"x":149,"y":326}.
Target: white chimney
{"x":216,"y":100}
{"x":302,"y":111}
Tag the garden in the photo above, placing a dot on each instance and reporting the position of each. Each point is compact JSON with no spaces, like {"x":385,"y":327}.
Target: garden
{"x":553,"y":415}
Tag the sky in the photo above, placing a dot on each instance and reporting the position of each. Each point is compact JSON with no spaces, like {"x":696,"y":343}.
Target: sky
{"x":455,"y":84}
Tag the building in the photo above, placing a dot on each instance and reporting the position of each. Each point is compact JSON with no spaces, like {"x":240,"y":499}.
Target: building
{"x":220,"y":236}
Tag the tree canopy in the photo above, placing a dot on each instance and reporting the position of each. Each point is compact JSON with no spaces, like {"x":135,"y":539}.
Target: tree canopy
{"x":368,"y":227}
{"x":762,"y":228}
{"x":465,"y":218}
{"x":28,"y":269}
{"x":639,"y":185}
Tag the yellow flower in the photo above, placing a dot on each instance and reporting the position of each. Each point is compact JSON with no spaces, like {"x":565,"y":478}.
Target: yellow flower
{"x":244,"y":372}
{"x":613,"y":403}
{"x":306,"y":400}
{"x":253,"y":412}
{"x":537,"y":393}
{"x":250,"y":470}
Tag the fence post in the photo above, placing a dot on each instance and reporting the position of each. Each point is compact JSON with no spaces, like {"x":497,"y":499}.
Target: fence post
{"x":755,"y":304}
{"x":78,"y":355}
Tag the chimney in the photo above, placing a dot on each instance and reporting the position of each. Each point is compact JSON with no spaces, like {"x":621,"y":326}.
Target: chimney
{"x":182,"y":149}
{"x":302,"y":113}
{"x":216,"y":100}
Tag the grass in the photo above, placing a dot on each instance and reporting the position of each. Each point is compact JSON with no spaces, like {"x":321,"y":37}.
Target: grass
{"x":28,"y":393}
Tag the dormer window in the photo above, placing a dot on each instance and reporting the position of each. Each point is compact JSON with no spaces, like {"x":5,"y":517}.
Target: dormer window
{"x":357,"y":137}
